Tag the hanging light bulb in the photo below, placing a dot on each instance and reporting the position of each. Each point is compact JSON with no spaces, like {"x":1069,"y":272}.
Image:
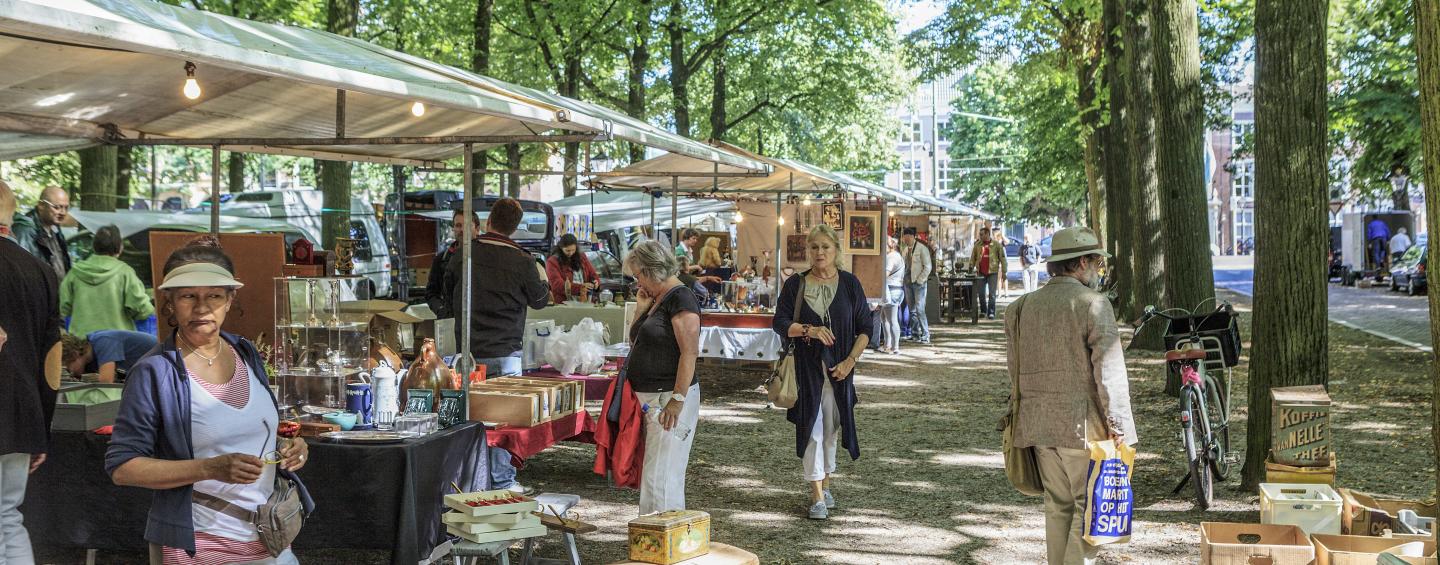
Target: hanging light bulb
{"x":417,"y":109}
{"x":782,"y":220}
{"x":806,"y":201}
{"x":739,"y":217}
{"x":192,"y":88}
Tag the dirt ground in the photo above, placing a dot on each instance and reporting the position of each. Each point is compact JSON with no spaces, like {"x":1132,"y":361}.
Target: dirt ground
{"x":929,"y":487}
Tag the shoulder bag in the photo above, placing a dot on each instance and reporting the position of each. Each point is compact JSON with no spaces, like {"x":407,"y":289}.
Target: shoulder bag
{"x":277,"y":521}
{"x":781,"y":388}
{"x":1021,"y":467}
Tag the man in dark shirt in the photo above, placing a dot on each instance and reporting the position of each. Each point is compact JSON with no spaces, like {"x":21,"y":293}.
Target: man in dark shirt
{"x":505,"y":281}
{"x":29,"y":377}
{"x":39,"y":230}
{"x":437,"y":294}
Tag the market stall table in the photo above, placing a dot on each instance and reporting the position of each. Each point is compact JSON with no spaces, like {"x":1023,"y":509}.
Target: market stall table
{"x":595,"y":385}
{"x":957,"y":296}
{"x":524,"y":443}
{"x":385,"y":497}
{"x":739,"y":337}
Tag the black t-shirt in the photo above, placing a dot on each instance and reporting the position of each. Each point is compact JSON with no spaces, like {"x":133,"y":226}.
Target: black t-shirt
{"x":654,"y":354}
{"x":31,"y":320}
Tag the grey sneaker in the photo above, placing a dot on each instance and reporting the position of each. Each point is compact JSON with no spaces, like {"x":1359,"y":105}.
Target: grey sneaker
{"x":819,"y":512}
{"x":829,"y":498}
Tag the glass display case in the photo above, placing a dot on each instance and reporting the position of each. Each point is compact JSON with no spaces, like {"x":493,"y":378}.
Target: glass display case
{"x":745,"y":297}
{"x":317,"y":350}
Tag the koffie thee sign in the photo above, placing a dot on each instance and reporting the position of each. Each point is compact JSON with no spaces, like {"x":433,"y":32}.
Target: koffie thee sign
{"x":1300,"y":425}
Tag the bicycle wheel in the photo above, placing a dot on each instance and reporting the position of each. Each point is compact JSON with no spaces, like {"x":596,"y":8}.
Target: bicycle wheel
{"x":1196,"y":451}
{"x":1217,"y":414}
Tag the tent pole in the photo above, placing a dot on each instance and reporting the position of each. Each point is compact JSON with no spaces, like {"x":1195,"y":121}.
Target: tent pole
{"x":402,"y":261}
{"x":674,"y":206}
{"x":655,"y":227}
{"x":467,"y":245}
{"x":215,"y":190}
{"x":779,"y":202}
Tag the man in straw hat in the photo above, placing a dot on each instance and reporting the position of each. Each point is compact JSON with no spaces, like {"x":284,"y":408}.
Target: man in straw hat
{"x":1072,"y":384}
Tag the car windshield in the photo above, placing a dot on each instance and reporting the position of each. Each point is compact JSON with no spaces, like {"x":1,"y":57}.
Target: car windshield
{"x":531,"y":228}
{"x":1413,"y":254}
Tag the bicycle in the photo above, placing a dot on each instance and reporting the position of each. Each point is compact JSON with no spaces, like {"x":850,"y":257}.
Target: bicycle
{"x":1196,"y":342}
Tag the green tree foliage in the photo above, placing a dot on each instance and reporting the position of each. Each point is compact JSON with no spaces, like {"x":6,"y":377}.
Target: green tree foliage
{"x":1375,"y":113}
{"x":1029,"y":169}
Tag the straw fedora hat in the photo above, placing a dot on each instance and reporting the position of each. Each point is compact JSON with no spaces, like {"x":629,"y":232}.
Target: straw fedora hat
{"x":1070,"y":243}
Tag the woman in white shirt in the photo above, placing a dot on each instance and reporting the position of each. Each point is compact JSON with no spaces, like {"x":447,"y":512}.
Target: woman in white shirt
{"x":894,"y":296}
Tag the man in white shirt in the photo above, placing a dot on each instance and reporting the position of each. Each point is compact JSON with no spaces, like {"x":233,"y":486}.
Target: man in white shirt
{"x":918,"y":265}
{"x":1399,"y":245}
{"x":689,"y":242}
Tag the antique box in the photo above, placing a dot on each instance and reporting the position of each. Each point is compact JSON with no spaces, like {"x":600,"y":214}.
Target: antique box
{"x":571,"y":395}
{"x":1320,"y":475}
{"x":670,"y":537}
{"x":1300,"y":426}
{"x":545,"y":395}
{"x":1369,"y":515}
{"x":509,"y":407}
{"x":1224,"y":543}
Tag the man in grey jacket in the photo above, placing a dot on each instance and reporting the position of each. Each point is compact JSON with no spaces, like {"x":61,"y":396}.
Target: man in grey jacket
{"x":918,"y":265}
{"x":1065,"y":359}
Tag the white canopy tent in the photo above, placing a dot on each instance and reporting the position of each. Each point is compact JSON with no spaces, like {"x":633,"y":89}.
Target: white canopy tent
{"x":616,"y":210}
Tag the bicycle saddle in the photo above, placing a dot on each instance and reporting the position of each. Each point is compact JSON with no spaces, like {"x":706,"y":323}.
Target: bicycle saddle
{"x":1185,"y":355}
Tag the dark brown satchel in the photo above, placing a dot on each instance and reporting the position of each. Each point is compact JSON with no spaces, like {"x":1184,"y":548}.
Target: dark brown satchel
{"x":1021,"y":467}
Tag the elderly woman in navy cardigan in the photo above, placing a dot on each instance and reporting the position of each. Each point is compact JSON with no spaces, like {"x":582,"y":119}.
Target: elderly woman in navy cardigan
{"x":832,"y":329}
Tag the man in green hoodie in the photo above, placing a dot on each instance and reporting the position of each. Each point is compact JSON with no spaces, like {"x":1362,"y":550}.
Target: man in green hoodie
{"x":103,"y":293}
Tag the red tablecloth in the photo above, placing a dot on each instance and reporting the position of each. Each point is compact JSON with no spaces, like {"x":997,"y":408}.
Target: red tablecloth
{"x":595,"y":387}
{"x":524,"y":443}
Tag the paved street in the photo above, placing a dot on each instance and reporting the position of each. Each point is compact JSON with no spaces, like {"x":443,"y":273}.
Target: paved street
{"x":1377,"y":311}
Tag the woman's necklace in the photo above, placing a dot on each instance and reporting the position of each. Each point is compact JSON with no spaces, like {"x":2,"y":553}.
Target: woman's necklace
{"x":209,"y":361}
{"x":818,"y":276}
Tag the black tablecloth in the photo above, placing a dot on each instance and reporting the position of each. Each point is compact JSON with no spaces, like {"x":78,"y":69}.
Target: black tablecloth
{"x":366,"y":496}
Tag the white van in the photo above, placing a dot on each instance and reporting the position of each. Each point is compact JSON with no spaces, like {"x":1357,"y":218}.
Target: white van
{"x":302,"y":209}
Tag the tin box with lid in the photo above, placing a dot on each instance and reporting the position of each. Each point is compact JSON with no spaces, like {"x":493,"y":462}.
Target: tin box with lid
{"x":670,"y":537}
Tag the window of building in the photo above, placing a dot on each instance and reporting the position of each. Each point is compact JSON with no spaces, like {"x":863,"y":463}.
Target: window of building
{"x":910,"y":176}
{"x":1244,"y":225}
{"x":1243,"y":179}
{"x":1241,"y":134}
{"x":942,"y":181}
{"x":943,"y":130}
{"x":910,"y":131}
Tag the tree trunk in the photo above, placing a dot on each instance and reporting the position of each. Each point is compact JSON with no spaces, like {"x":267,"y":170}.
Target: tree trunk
{"x":237,"y":172}
{"x":1090,"y":123}
{"x":1144,"y":202}
{"x":720,"y":98}
{"x":639,"y":63}
{"x":124,"y":174}
{"x":1179,"y":151}
{"x":334,"y":176}
{"x":1117,"y":157}
{"x":1292,"y":185}
{"x":512,"y":161}
{"x":571,"y":88}
{"x":97,"y":178}
{"x":484,"y":19}
{"x":1401,"y":198}
{"x":1427,"y":45}
{"x":679,"y":72}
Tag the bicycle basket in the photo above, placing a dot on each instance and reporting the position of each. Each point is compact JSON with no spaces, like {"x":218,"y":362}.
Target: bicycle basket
{"x":1220,"y":325}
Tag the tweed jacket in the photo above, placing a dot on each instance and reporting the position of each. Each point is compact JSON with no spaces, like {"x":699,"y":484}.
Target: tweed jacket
{"x":1064,"y":352}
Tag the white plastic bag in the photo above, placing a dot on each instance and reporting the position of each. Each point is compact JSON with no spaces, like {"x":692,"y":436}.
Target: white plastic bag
{"x":579,"y":350}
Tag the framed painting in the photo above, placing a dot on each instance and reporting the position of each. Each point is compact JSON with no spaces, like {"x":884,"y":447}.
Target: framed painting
{"x":833,"y":214}
{"x":862,"y":233}
{"x":795,"y":248}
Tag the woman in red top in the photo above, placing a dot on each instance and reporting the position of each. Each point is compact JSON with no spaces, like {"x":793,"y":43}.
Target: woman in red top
{"x":568,"y":271}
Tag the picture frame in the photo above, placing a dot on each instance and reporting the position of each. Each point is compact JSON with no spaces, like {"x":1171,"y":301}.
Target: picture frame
{"x":863,"y":232}
{"x":795,"y":248}
{"x":833,"y":215}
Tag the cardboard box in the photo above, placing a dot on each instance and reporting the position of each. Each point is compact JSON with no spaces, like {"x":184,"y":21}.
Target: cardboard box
{"x":1364,"y":550}
{"x":1223,"y":543}
{"x":1300,"y":425}
{"x":391,"y":322}
{"x":670,"y":537}
{"x":509,"y":407}
{"x":1368,"y":515}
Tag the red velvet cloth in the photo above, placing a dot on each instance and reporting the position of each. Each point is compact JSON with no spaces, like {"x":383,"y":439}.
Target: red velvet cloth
{"x":620,"y":446}
{"x":524,"y":443}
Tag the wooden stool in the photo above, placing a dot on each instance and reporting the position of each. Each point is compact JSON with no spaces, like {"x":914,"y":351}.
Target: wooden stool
{"x":552,"y":504}
{"x":720,"y":554}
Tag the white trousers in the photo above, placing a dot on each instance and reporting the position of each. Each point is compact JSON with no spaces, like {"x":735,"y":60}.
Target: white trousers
{"x":14,"y":540}
{"x":1031,"y":278}
{"x":1063,"y":474}
{"x":820,"y":452}
{"x":662,"y":481}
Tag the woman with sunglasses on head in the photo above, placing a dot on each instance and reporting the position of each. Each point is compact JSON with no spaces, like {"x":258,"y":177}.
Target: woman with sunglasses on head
{"x":197,"y":424}
{"x":831,"y":330}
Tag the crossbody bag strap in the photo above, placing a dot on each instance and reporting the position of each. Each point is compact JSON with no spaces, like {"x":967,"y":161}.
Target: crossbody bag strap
{"x":799,"y":304}
{"x":222,"y":506}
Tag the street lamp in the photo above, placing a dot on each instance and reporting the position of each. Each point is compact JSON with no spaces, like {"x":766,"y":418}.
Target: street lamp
{"x":1400,"y":182}
{"x":601,"y":163}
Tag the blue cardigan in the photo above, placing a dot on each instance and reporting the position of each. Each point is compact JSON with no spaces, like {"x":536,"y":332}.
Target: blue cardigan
{"x":154,"y":421}
{"x":850,"y":318}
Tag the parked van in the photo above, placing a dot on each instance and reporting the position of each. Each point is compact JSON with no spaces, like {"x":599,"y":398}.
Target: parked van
{"x":428,"y":217}
{"x":303,"y":209}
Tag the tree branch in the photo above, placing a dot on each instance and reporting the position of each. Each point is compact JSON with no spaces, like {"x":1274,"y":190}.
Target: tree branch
{"x":544,"y":47}
{"x":705,"y":50}
{"x":595,"y":89}
{"x":767,"y":103}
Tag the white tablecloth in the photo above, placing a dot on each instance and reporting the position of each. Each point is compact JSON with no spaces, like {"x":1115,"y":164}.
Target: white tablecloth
{"x":739,"y":344}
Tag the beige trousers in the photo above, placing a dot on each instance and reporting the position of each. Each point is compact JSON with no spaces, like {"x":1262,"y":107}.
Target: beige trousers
{"x":1063,"y":474}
